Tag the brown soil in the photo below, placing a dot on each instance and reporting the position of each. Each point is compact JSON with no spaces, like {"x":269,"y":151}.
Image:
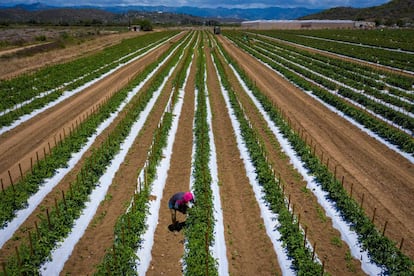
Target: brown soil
{"x":168,"y":246}
{"x":379,"y":175}
{"x":319,"y":229}
{"x":249,"y":249}
{"x":34,"y":137}
{"x":349,"y":59}
{"x":91,"y":248}
{"x":43,"y":122}
{"x":11,"y":67}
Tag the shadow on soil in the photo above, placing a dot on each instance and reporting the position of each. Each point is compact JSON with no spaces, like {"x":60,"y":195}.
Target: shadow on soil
{"x":176,"y":227}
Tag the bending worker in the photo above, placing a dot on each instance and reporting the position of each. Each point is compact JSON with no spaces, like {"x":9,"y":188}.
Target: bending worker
{"x":180,"y":201}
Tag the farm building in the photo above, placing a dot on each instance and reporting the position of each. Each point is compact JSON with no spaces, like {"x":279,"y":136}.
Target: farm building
{"x":306,"y":24}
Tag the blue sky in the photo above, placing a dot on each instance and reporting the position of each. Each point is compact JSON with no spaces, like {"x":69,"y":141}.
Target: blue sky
{"x":210,"y":3}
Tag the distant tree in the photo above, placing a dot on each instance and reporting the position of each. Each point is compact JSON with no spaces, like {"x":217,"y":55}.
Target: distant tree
{"x":145,"y":24}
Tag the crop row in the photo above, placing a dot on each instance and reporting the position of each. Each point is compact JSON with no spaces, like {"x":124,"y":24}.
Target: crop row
{"x":403,"y":61}
{"x":356,"y":77}
{"x":398,"y":39}
{"x":60,"y":218}
{"x":200,"y":222}
{"x":381,"y":250}
{"x":389,"y":133}
{"x":33,"y":91}
{"x":289,"y":229}
{"x":15,"y":196}
{"x":121,"y":258}
{"x":330,"y":80}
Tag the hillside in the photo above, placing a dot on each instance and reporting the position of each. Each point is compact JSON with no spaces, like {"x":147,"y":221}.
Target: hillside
{"x":399,"y":12}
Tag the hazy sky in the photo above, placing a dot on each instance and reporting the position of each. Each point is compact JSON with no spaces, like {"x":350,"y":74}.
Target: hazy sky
{"x":210,"y":3}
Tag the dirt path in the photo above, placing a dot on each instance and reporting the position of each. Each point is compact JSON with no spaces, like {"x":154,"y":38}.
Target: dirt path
{"x":22,"y":143}
{"x":168,"y":246}
{"x":381,"y":175}
{"x":249,"y":249}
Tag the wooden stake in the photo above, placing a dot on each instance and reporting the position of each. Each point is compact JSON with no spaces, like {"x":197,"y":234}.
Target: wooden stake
{"x":323,"y":267}
{"x":385,"y":228}
{"x":63,"y":197}
{"x":11,"y":181}
{"x":48,"y":218}
{"x":31,"y":244}
{"x":401,"y":244}
{"x":313,"y":252}
{"x":21,"y":171}
{"x":288,"y":201}
{"x":50,"y":150}
{"x":37,"y":230}
{"x":304,"y":239}
{"x":31,"y":164}
{"x":373,"y":215}
{"x":352,"y":186}
{"x":57,"y":207}
{"x":362,"y":200}
{"x":18,"y":256}
{"x":2,"y":186}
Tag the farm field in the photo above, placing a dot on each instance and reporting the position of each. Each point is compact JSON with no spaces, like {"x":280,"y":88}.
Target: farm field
{"x":300,"y":160}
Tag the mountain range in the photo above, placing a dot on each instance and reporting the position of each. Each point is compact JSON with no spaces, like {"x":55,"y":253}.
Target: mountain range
{"x":212,"y":13}
{"x":399,"y":12}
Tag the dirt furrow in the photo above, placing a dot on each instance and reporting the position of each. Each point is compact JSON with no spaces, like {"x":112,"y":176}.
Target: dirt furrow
{"x":382,"y":177}
{"x":91,"y":248}
{"x":320,"y":231}
{"x":168,"y":248}
{"x":249,"y":249}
